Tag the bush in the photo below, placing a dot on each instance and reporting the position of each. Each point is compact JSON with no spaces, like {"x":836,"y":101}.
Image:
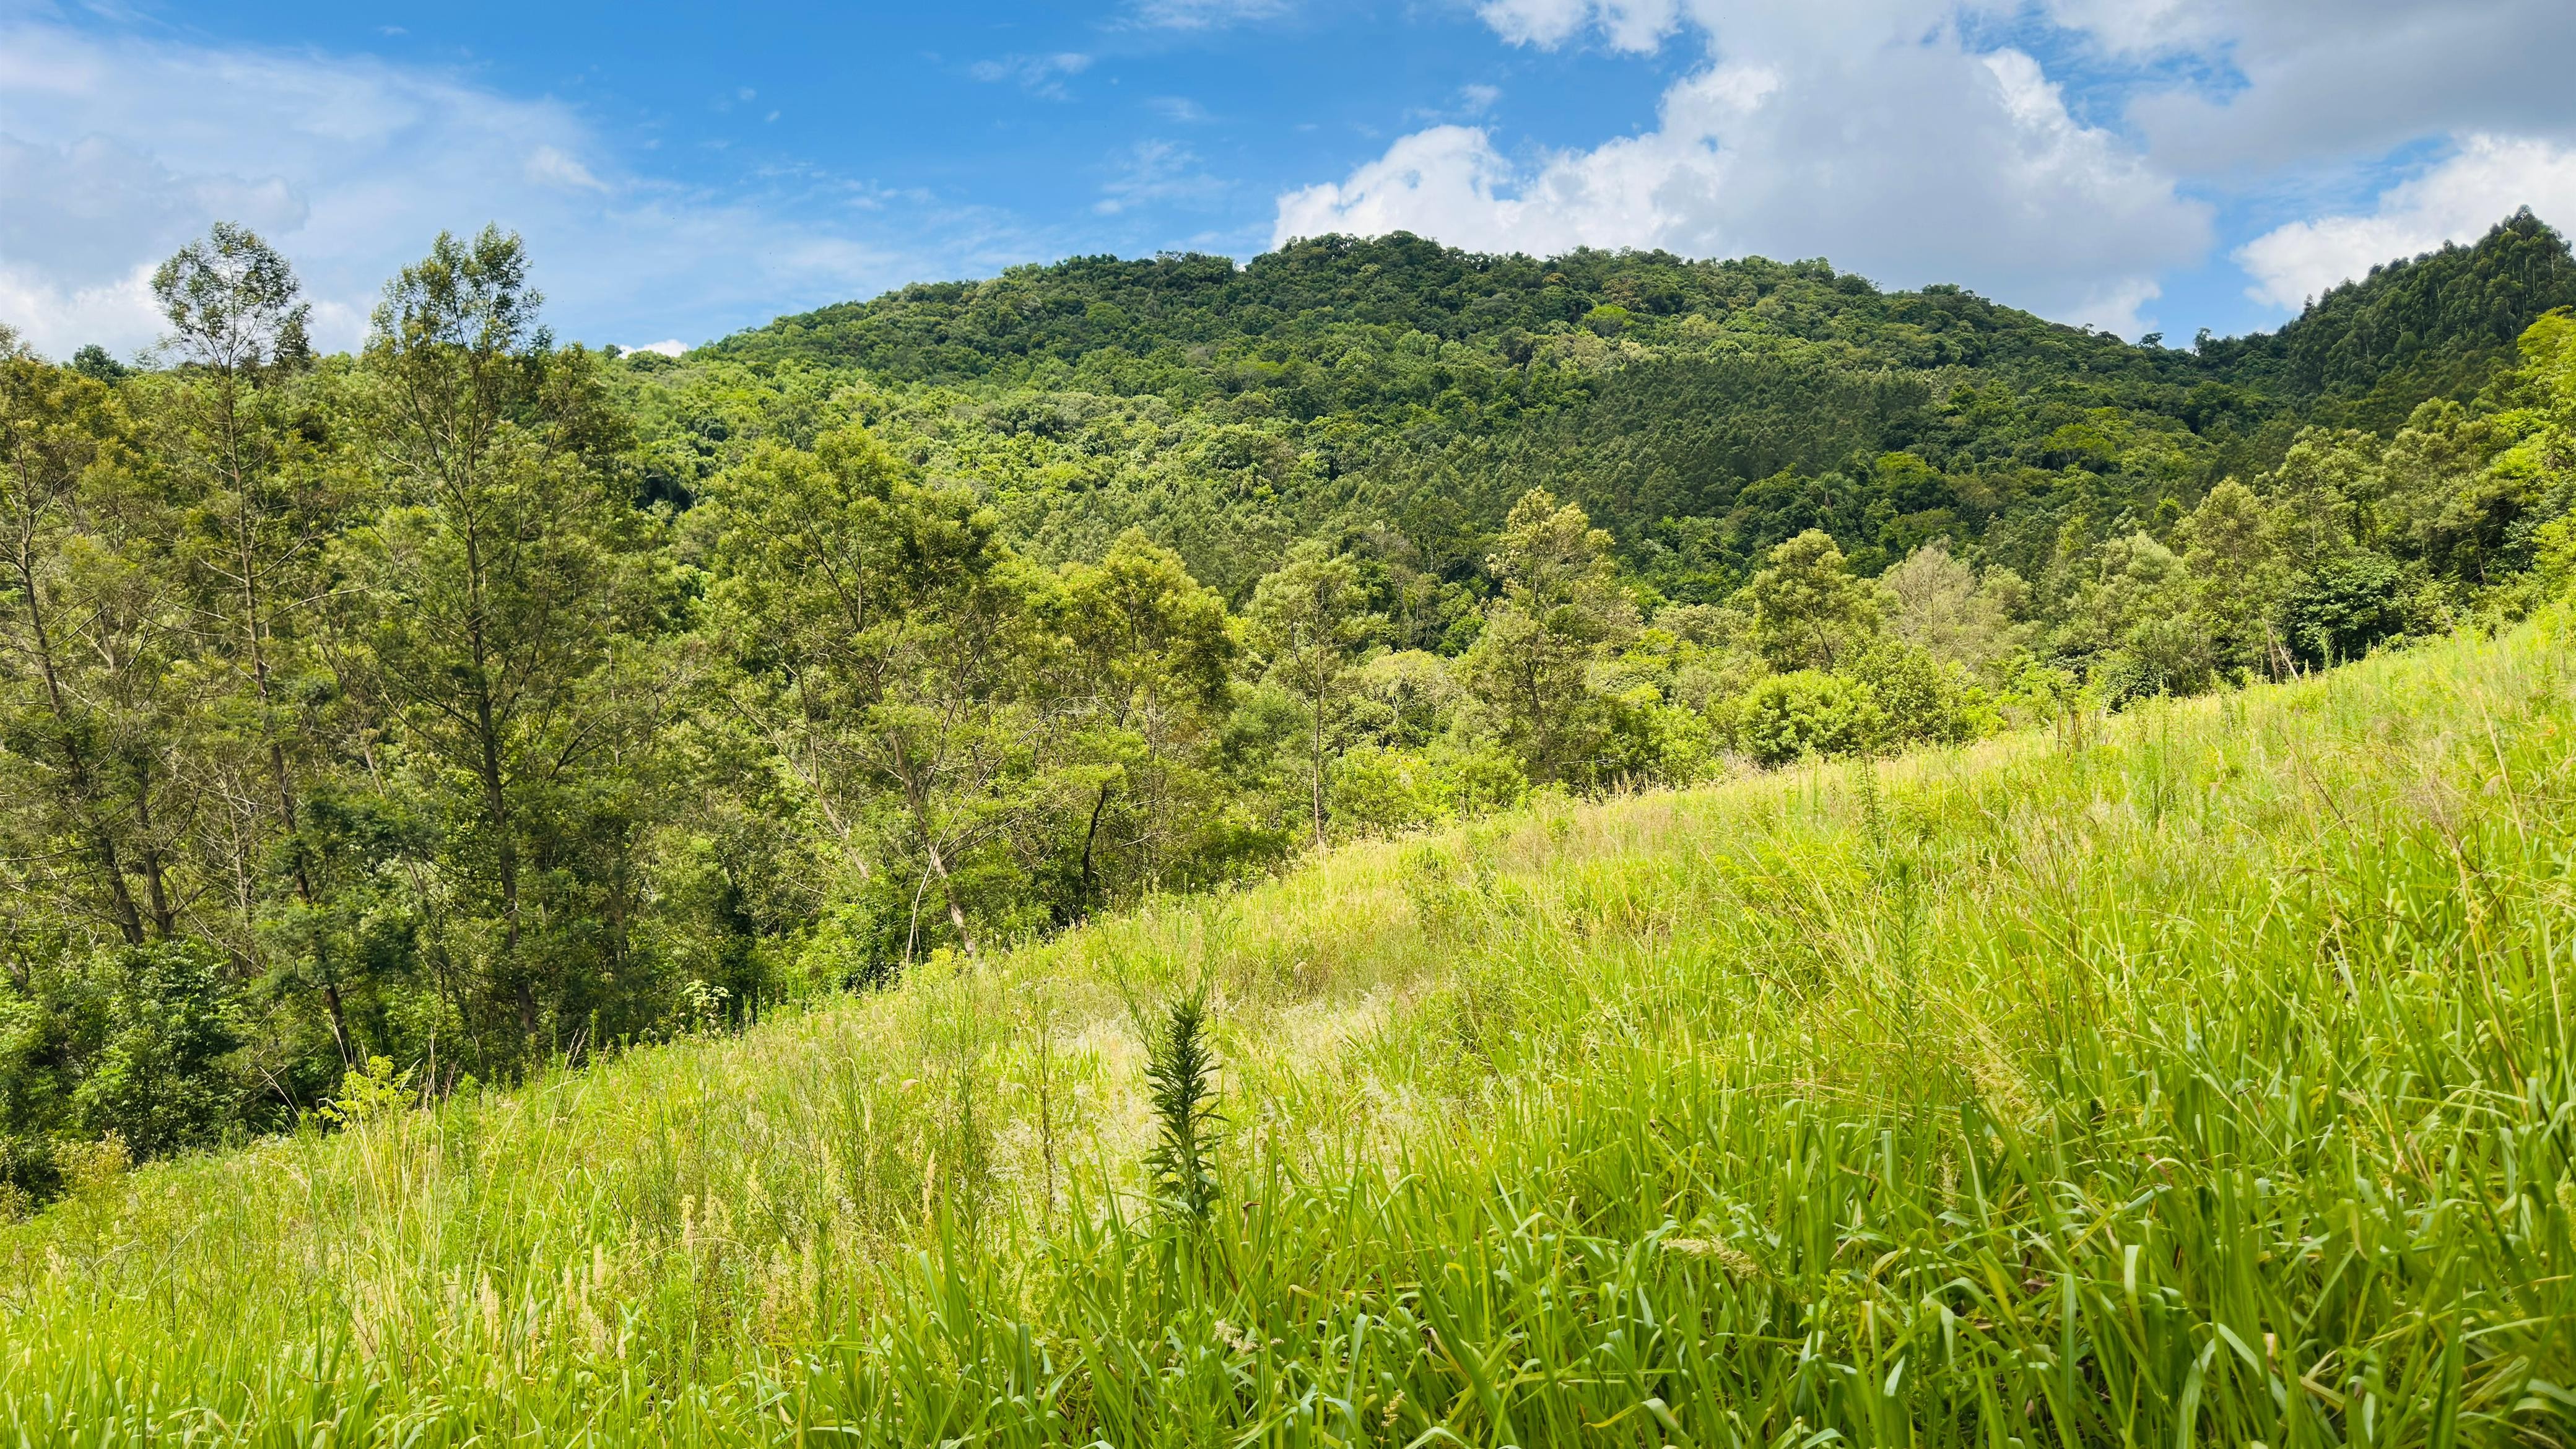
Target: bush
{"x":2341,"y":608}
{"x":162,"y":1036}
{"x":1378,"y":791}
{"x":1805,"y":712}
{"x":1920,"y":701}
{"x":1649,"y":742}
{"x":1474,"y":779}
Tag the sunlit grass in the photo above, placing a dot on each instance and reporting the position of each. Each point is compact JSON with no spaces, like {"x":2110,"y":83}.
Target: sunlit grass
{"x":2199,"y":1075}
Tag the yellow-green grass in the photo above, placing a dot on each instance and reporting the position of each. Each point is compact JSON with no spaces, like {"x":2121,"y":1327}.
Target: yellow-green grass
{"x":2196,"y":1075}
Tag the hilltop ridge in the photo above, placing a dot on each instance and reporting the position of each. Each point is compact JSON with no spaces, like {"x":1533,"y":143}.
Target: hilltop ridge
{"x":1340,"y":385}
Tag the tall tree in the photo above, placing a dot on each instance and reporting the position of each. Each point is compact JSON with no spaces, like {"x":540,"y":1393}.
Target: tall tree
{"x":1561,"y":610}
{"x":236,"y":330}
{"x":502,"y":618}
{"x":1941,"y":608}
{"x":1808,"y":610}
{"x":87,"y":644}
{"x":882,"y":635}
{"x":1309,"y":622}
{"x":2236,"y":578}
{"x":1147,"y":662}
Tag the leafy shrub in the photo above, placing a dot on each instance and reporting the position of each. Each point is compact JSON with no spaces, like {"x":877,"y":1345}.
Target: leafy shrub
{"x":1805,"y":712}
{"x":1378,"y":791}
{"x":1919,"y":700}
{"x":367,"y":1094}
{"x":161,"y":1071}
{"x":1650,"y":742}
{"x":2344,"y":606}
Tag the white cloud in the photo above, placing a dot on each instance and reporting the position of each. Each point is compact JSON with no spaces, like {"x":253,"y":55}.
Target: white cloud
{"x":549,"y":166}
{"x":2336,"y":80}
{"x":115,"y":150}
{"x":1864,"y":131}
{"x":1631,"y":25}
{"x":1206,"y":14}
{"x":56,"y":318}
{"x":1154,"y":170}
{"x":1881,"y":145}
{"x":669,"y":347}
{"x":2487,"y":179}
{"x":1039,"y":75}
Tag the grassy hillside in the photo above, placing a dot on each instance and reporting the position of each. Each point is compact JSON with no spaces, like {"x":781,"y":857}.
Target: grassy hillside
{"x":2200,"y":1074}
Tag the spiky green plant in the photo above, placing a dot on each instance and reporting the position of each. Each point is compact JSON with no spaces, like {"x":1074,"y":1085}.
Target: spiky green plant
{"x":1181,"y":1072}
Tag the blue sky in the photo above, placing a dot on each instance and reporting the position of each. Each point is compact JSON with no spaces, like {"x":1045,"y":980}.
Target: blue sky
{"x":680,"y":172}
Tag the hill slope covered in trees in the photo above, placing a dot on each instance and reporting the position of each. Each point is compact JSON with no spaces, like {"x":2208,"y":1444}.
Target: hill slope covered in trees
{"x":1347,"y":382}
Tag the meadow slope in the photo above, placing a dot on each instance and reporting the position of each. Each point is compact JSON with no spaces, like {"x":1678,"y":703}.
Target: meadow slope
{"x":2199,"y":1074}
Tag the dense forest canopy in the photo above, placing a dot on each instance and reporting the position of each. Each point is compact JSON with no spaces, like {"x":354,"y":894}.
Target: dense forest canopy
{"x":474,"y":701}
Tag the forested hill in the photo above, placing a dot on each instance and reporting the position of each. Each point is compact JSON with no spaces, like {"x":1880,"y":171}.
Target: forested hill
{"x":1309,"y":304}
{"x":2413,"y":328}
{"x":1303,"y":307}
{"x":1703,"y":411}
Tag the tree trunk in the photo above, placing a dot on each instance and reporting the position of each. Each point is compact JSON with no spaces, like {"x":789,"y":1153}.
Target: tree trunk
{"x":129,"y":920}
{"x":1318,"y":766}
{"x":1090,"y":883}
{"x":956,"y":913}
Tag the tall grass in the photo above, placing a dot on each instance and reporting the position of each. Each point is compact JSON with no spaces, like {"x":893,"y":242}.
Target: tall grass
{"x":2199,"y":1076}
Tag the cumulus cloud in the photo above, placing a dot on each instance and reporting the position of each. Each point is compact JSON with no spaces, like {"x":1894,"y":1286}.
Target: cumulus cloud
{"x":2485,"y":180}
{"x":669,"y":347}
{"x":1870,"y":133}
{"x":2306,"y":81}
{"x":350,"y":165}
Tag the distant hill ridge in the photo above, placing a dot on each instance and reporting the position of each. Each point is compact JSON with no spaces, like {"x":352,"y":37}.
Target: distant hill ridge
{"x":2460,"y":303}
{"x":1703,"y":411}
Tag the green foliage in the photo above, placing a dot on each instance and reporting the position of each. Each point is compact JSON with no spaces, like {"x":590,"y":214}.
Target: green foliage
{"x":96,"y":363}
{"x":1560,"y":611}
{"x":2044,"y":1090}
{"x":2419,"y":319}
{"x":367,"y":1094}
{"x":160,"y":1031}
{"x":1918,"y":699}
{"x":2344,"y":606}
{"x":1806,"y":713}
{"x":489,"y":706}
{"x":1808,"y":611}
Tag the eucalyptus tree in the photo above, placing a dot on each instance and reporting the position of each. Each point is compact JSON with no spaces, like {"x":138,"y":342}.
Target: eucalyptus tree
{"x":255,"y":520}
{"x":1309,"y":623}
{"x":1808,"y":610}
{"x":504,"y":623}
{"x":1560,"y":611}
{"x":1146,"y":667}
{"x":883,"y":640}
{"x":95,"y":804}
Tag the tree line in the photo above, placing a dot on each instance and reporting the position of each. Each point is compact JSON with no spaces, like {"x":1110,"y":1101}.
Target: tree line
{"x":401,"y":704}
